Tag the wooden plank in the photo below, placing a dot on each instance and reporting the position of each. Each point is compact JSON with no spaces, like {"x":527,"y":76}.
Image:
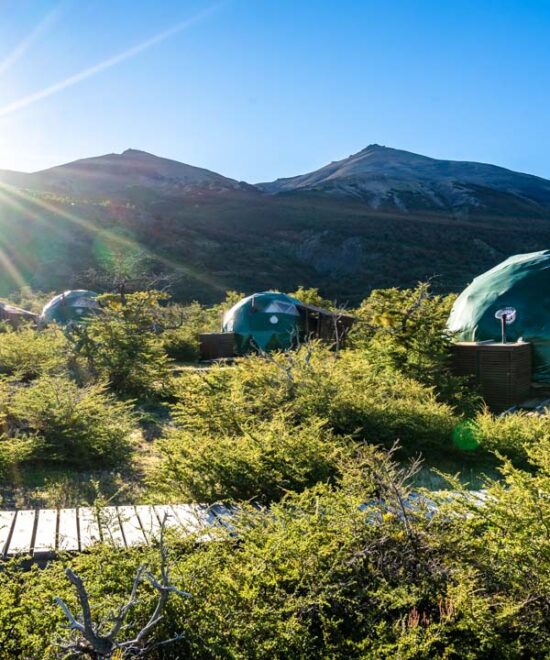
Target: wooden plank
{"x":149,"y":521}
{"x":89,"y":527}
{"x":46,"y":532}
{"x":6,"y":523}
{"x":21,"y":538}
{"x":110,"y":526}
{"x":131,"y":526}
{"x":67,"y":533}
{"x":220,"y":514}
{"x":192,"y":517}
{"x":166,"y":513}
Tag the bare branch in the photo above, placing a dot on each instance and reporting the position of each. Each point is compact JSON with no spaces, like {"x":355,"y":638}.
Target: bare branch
{"x":104,"y":646}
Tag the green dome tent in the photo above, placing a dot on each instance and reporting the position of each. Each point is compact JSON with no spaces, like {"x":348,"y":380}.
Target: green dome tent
{"x":521,"y":282}
{"x":267,"y":320}
{"x":70,"y":306}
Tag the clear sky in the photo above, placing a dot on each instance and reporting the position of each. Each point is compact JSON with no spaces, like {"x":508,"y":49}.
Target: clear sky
{"x":258,"y":89}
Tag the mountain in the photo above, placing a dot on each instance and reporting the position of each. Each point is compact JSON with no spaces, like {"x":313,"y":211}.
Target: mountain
{"x":395,"y":179}
{"x":382,"y":217}
{"x":119,"y":175}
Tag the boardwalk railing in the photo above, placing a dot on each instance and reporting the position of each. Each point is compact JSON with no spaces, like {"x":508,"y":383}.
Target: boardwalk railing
{"x":43,"y":533}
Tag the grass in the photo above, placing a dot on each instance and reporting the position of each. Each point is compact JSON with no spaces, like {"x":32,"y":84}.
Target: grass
{"x":41,"y":484}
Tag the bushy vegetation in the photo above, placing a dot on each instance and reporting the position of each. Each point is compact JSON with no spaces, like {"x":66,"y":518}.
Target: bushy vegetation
{"x":63,"y":422}
{"x":122,"y":347}
{"x":348,"y":390}
{"x":329,"y":553}
{"x":262,"y":462}
{"x":512,"y":435}
{"x":322,"y":575}
{"x":406,"y":329}
{"x":26,"y":354}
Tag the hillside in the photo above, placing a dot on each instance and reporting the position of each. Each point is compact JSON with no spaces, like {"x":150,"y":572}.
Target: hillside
{"x":382,"y":217}
{"x":400,"y":180}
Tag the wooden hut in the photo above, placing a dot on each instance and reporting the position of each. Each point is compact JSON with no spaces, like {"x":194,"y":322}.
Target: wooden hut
{"x":16,"y":316}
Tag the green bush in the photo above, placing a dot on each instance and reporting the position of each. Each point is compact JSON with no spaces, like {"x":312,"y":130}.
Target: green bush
{"x":84,"y":426}
{"x":322,"y":575}
{"x":406,"y":330}
{"x":181,"y":344}
{"x":28,"y":353}
{"x":181,"y":328}
{"x":512,"y":435}
{"x":122,"y":347}
{"x":354,"y":395}
{"x":261,"y":463}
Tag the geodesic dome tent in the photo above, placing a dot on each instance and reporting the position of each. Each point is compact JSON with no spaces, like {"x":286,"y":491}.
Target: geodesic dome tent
{"x":268,"y":321}
{"x":75,"y":306}
{"x":521,"y":282}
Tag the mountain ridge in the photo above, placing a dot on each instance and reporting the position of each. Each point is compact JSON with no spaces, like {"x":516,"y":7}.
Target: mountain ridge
{"x":379,"y":218}
{"x":380,"y":174}
{"x":112,"y":173}
{"x":381,"y":177}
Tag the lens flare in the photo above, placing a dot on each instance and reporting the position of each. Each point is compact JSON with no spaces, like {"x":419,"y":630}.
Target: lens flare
{"x":121,"y":240}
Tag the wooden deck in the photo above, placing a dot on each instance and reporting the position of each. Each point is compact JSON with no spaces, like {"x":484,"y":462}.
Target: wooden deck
{"x":44,"y":533}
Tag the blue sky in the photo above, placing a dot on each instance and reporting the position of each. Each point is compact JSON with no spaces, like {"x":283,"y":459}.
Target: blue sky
{"x":258,"y":89}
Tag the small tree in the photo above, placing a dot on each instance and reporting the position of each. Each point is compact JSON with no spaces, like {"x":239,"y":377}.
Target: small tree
{"x":406,"y":330}
{"x":122,"y":346}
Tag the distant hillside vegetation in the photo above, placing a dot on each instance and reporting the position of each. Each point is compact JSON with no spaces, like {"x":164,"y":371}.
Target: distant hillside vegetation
{"x":382,"y":217}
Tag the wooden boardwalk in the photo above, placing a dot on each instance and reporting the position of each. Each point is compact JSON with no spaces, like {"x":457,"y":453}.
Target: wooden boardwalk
{"x":43,"y":533}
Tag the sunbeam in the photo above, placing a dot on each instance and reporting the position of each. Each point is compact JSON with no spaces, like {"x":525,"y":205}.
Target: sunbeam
{"x":106,"y":64}
{"x":23,"y":46}
{"x":122,"y":241}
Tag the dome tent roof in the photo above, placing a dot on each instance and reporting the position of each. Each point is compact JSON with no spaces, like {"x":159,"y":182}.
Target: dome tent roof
{"x":267,"y":320}
{"x":521,"y":282}
{"x":73,"y":305}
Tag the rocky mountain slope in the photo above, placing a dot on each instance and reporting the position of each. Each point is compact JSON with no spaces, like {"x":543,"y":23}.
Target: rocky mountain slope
{"x":391,"y":178}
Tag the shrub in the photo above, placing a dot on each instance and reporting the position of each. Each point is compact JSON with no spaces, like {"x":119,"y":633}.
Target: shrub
{"x":28,"y":353}
{"x":312,"y":296}
{"x":261,"y":463}
{"x":321,"y":574}
{"x":83,"y":426}
{"x":122,"y":347}
{"x":512,"y":435}
{"x":182,"y":326}
{"x":354,"y":396}
{"x":406,"y":330}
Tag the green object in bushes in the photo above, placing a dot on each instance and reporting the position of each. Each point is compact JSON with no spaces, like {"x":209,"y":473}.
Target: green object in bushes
{"x":466,"y":435}
{"x":267,"y":321}
{"x":521,"y":282}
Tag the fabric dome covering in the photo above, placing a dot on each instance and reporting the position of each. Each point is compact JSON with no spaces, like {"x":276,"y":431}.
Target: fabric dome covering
{"x":70,"y":306}
{"x":521,"y":282}
{"x":267,"y":320}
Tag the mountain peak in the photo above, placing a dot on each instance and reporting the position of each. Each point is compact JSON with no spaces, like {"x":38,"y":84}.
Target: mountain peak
{"x":118,"y":175}
{"x":389,"y":178}
{"x":137,"y":152}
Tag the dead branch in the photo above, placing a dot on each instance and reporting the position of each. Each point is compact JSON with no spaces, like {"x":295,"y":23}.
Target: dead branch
{"x":96,"y":645}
